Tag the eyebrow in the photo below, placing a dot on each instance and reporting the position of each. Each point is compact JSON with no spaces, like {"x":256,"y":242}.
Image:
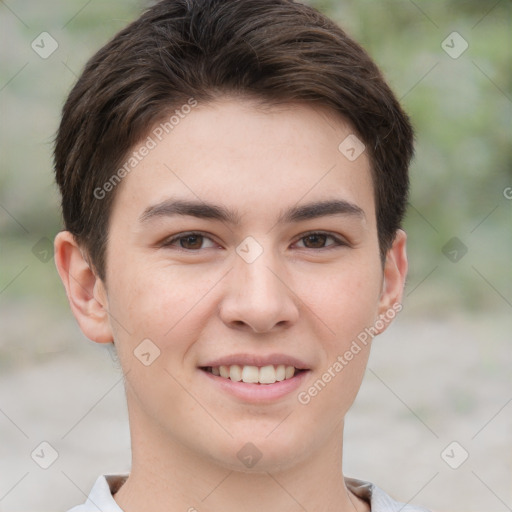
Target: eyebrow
{"x":203,"y":210}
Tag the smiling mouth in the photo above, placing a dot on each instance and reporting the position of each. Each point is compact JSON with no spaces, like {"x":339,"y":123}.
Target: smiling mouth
{"x":254,"y":374}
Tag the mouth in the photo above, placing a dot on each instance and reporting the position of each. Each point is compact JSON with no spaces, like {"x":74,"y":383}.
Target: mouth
{"x":262,"y":375}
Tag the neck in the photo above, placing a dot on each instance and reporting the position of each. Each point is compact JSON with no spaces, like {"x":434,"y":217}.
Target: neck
{"x":169,"y":476}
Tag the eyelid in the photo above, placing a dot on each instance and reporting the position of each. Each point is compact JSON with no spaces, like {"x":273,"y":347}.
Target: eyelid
{"x":339,"y":241}
{"x":169,"y":241}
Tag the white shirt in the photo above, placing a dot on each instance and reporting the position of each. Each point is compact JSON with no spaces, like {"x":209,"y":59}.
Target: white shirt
{"x":100,"y":498}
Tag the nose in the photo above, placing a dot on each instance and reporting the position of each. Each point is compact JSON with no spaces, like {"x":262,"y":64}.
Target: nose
{"x":258,"y":297}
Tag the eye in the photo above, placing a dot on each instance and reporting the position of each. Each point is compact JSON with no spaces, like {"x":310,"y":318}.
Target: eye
{"x":188,"y":241}
{"x":317,"y":240}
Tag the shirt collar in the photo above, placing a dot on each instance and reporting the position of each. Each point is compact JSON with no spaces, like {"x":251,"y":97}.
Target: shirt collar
{"x":106,"y":486}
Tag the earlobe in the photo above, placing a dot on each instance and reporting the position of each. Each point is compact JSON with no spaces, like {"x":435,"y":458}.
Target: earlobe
{"x":395,"y":272}
{"x":85,"y":290}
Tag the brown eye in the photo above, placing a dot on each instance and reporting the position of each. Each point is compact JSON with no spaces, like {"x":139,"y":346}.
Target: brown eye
{"x":191,"y":242}
{"x":315,"y":241}
{"x":321,"y":241}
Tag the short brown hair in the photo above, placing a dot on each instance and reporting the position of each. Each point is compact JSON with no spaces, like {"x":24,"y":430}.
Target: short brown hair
{"x":274,"y":50}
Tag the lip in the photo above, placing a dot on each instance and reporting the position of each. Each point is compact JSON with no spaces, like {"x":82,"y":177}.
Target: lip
{"x":257,"y":360}
{"x":257,"y":393}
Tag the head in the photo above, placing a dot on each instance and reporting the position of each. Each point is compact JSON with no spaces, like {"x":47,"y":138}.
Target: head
{"x":253,"y":125}
{"x":182,"y":51}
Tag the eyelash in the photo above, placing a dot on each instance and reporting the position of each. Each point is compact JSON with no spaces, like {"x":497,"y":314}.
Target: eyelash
{"x":338,"y":242}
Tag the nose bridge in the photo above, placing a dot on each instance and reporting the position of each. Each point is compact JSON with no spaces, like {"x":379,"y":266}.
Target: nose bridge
{"x":253,"y":264}
{"x":257,"y":294}
{"x":259,"y":281}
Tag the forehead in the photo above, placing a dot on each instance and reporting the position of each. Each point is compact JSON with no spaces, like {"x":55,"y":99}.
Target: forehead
{"x":251,"y":157}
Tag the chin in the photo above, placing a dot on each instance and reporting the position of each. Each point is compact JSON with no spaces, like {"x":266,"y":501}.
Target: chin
{"x":260,"y":452}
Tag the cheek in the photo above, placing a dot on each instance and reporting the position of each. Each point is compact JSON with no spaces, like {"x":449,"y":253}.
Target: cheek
{"x":344,"y":299}
{"x":347,"y":303}
{"x":163,"y":304}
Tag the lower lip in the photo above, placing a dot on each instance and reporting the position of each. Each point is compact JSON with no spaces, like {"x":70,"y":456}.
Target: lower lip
{"x":257,"y":393}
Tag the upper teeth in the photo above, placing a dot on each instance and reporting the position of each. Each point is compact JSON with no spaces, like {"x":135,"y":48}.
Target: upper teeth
{"x":254,"y":374}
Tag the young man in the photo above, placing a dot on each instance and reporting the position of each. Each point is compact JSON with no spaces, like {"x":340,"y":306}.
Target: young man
{"x":233,"y":177}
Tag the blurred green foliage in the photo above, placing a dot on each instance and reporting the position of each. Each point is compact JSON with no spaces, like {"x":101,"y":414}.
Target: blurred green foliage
{"x":461,"y":109}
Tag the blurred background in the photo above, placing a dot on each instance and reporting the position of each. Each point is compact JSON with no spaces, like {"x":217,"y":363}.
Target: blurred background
{"x":433,"y":421}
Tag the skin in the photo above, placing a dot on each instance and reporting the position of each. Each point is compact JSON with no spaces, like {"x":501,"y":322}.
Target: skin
{"x":308,"y":298}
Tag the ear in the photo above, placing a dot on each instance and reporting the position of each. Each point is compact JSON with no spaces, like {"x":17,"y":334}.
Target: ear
{"x":86,"y":292}
{"x":395,"y":272}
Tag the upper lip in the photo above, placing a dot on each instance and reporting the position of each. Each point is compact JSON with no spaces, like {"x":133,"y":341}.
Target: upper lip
{"x":256,"y":360}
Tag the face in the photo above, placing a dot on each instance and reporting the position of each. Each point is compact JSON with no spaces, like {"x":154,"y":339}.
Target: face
{"x":244,"y":246}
